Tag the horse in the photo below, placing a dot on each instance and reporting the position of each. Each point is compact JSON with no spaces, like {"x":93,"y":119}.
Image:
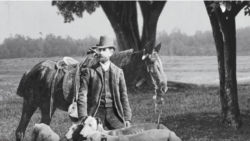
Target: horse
{"x":36,"y":84}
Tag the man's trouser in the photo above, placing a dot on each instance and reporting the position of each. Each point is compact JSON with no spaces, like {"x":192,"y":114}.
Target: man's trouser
{"x":109,"y":118}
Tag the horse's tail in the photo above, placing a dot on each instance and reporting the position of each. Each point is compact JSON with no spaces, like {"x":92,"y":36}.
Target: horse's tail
{"x":21,"y":88}
{"x":36,"y":80}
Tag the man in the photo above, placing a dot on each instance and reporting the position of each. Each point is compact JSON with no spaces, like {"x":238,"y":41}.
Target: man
{"x":103,"y":91}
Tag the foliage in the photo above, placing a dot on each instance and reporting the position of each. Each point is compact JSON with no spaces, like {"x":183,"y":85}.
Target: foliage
{"x":69,"y":8}
{"x":20,"y":46}
{"x":227,"y":6}
{"x":201,"y":44}
{"x":174,"y":44}
{"x":123,"y":18}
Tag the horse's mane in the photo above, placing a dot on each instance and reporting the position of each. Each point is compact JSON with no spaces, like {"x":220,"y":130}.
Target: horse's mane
{"x":122,"y":58}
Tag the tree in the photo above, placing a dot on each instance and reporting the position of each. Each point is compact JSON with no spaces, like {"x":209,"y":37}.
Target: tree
{"x":222,"y":17}
{"x":123,"y":18}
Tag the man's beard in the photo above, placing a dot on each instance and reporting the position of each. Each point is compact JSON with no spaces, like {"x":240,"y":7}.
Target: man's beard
{"x":103,"y":59}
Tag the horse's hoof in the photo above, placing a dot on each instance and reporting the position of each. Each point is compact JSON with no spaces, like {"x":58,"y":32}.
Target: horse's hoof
{"x":19,"y":137}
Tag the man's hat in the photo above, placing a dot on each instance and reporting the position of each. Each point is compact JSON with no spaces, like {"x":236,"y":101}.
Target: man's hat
{"x":105,"y":42}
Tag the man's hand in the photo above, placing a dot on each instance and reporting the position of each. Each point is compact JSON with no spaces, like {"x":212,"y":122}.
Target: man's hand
{"x":127,"y":123}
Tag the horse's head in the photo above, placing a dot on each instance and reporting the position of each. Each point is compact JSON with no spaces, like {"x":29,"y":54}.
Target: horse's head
{"x":153,"y":71}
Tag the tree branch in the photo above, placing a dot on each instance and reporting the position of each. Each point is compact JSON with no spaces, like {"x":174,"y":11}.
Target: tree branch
{"x":150,"y":12}
{"x":237,"y":7}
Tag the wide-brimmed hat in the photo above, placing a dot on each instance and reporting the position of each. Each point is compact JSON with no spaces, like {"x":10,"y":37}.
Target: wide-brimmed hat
{"x":105,"y":42}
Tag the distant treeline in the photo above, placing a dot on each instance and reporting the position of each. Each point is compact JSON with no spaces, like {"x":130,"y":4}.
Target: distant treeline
{"x":20,"y":46}
{"x":174,"y":44}
{"x":201,"y":44}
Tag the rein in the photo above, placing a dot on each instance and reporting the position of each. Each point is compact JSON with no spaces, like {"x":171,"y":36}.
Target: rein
{"x":52,"y":93}
{"x":155,"y":96}
{"x":58,"y":67}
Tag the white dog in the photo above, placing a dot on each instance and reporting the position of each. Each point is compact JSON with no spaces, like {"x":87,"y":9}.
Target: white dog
{"x":150,"y":135}
{"x":42,"y":132}
{"x":94,"y":124}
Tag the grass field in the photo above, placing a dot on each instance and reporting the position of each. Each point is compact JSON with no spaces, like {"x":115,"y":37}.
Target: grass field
{"x":192,"y":113}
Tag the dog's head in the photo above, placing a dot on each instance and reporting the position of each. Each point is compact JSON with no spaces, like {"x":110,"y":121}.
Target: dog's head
{"x":91,"y":124}
{"x":74,"y":132}
{"x":96,"y":136}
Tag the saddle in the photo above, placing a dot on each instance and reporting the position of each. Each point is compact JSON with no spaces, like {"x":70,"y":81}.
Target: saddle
{"x":71,"y":79}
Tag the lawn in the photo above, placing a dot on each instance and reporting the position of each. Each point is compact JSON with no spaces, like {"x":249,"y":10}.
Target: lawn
{"x":192,"y":113}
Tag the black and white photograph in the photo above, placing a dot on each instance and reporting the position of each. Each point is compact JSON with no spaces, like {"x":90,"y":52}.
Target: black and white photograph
{"x":167,"y":70}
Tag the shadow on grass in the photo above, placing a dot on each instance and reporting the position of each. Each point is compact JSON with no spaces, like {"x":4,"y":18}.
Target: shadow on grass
{"x":206,"y":126}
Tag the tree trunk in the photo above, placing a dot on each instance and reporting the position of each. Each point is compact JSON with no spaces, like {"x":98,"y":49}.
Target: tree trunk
{"x":224,"y":32}
{"x":228,"y":29}
{"x":150,"y":13}
{"x":220,"y":56}
{"x":123,"y":18}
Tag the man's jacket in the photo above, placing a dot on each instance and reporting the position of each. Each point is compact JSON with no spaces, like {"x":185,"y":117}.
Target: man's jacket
{"x":91,"y":85}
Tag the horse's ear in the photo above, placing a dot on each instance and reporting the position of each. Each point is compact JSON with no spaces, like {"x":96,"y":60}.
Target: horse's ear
{"x":157,"y":48}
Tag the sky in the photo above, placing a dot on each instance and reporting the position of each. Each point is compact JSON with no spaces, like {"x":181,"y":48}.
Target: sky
{"x":29,"y":18}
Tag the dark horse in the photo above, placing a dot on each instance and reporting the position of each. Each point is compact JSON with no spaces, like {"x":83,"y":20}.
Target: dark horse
{"x":35,"y":85}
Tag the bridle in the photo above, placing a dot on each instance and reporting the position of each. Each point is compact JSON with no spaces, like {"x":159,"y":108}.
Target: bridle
{"x":148,"y":71}
{"x":155,"y":86}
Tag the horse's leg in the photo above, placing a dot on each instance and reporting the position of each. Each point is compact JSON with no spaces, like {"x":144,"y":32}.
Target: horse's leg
{"x":45,"y":111}
{"x":27,"y":112}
